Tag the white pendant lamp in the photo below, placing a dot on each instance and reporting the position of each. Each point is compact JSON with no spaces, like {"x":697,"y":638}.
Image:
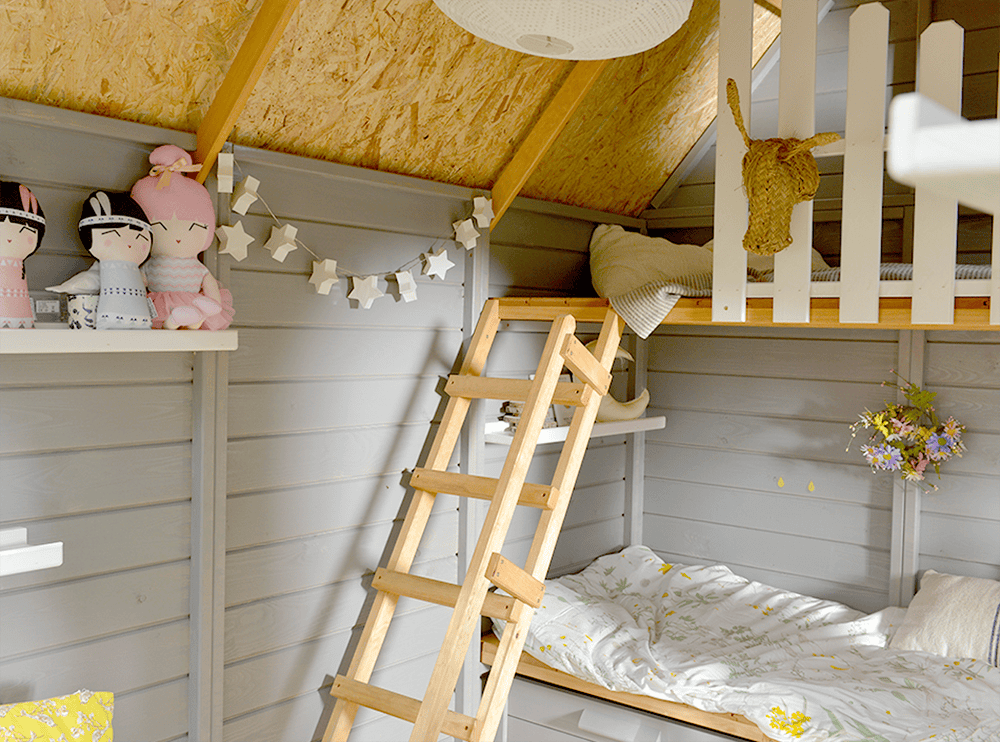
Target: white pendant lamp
{"x":570,"y":29}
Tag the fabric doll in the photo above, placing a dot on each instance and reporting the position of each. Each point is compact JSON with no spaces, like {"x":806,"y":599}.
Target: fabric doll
{"x":114,"y":229}
{"x":184,"y":292}
{"x":22,"y":226}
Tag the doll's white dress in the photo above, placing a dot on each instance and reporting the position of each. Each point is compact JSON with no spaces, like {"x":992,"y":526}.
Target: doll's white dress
{"x":123,"y":304}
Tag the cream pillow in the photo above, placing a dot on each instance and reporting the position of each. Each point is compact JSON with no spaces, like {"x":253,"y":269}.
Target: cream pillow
{"x":621,"y":261}
{"x":763,"y":263}
{"x":953,"y":617}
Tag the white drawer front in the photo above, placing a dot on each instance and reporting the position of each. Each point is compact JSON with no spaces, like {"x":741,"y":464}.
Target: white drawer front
{"x":536,"y":709}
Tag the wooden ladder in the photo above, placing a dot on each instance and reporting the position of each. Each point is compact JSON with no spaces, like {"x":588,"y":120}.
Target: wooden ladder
{"x":431,"y":717}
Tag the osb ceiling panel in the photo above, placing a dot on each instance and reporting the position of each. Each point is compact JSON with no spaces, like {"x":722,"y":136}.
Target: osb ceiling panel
{"x":156,"y":62}
{"x":641,"y":117}
{"x":391,"y":85}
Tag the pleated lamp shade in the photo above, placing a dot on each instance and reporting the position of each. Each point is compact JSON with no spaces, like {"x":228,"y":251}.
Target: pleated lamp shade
{"x":570,"y":29}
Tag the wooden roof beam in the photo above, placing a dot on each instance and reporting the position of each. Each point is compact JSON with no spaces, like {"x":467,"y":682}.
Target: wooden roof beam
{"x":541,"y":136}
{"x":245,"y":70}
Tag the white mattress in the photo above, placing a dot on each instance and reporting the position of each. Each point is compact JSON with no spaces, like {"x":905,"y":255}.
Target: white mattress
{"x":801,"y":668}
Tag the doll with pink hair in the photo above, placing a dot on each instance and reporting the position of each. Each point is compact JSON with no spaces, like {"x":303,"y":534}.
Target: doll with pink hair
{"x":22,"y":225}
{"x":184,"y":292}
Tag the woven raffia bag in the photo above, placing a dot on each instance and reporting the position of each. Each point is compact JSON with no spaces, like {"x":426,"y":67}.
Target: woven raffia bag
{"x":777,"y":174}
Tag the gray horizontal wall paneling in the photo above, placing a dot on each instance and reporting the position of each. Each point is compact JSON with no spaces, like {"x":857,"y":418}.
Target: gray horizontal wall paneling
{"x":960,"y":522}
{"x":95,"y":453}
{"x":328,"y":405}
{"x":751,"y":469}
{"x":542,"y":250}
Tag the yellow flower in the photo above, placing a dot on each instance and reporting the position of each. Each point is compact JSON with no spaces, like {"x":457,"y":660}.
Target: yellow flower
{"x":794,"y":725}
{"x":665,"y":568}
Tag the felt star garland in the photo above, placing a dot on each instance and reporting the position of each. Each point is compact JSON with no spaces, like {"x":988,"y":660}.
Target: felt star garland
{"x":234,"y":240}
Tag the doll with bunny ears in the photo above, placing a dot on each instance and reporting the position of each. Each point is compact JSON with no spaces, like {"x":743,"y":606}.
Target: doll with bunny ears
{"x":184,"y":292}
{"x":115,"y":230}
{"x":22,"y":226}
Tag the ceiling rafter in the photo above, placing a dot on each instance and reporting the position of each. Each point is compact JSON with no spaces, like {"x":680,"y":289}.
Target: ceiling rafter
{"x":541,"y":136}
{"x":246,"y":68}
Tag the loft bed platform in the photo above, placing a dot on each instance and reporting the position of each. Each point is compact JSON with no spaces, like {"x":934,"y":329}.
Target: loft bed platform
{"x":971,"y":313}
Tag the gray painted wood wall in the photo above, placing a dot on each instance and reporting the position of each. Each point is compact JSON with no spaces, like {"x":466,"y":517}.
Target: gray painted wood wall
{"x":97,"y":453}
{"x":751,"y":470}
{"x":324,"y":407}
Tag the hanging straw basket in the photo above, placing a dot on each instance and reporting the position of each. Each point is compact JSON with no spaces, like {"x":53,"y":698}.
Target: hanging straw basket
{"x":777,"y":174}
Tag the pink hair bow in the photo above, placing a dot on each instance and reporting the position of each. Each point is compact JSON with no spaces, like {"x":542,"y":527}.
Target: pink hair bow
{"x":182,"y":165}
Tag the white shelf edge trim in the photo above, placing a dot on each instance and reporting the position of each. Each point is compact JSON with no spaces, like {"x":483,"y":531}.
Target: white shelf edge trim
{"x":17,"y":556}
{"x":57,"y":338}
{"x":497,"y":432}
{"x":938,"y":149}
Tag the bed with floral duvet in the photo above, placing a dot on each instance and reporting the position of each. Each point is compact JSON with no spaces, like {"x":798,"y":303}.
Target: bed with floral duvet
{"x":800,"y":668}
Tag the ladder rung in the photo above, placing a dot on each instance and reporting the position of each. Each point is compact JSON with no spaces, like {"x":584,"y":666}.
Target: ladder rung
{"x":398,"y":705}
{"x":482,"y":488}
{"x":582,"y":363}
{"x":508,"y":576}
{"x":435,"y":591}
{"x":517,"y":390}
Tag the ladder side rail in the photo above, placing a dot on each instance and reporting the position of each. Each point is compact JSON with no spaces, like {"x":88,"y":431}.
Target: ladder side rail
{"x":465,"y":619}
{"x":401,"y":559}
{"x":501,"y":674}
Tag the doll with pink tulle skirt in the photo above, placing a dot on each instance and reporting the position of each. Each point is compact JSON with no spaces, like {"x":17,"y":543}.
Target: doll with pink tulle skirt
{"x":183,"y":291}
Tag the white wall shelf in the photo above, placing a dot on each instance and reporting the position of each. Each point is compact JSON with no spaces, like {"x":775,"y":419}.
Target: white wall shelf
{"x":57,"y":338}
{"x":933,"y":147}
{"x":17,"y":556}
{"x":498,"y":432}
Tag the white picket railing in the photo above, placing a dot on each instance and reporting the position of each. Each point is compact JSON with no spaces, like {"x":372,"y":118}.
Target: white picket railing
{"x":935,"y":214}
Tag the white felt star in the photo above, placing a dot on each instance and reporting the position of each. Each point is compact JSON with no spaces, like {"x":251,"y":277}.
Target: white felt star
{"x":407,"y":286}
{"x":437,"y":264}
{"x":324,"y":275}
{"x":465,"y":232}
{"x":365,"y":290}
{"x":244,"y":195}
{"x":282,"y":242}
{"x":233,"y":240}
{"x":224,"y":172}
{"x":482,"y":210}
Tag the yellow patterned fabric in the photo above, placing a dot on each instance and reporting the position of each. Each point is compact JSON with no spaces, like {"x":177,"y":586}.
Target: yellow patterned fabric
{"x":80,"y":716}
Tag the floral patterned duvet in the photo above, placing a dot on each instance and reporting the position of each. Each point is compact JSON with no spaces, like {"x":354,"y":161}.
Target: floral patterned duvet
{"x":798,"y":667}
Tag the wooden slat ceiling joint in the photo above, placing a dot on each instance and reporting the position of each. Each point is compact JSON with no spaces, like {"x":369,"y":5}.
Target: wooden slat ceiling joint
{"x":541,"y":136}
{"x":246,"y":68}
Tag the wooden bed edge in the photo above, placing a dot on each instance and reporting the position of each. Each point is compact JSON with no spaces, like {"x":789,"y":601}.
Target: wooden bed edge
{"x":732,"y":724}
{"x":971,"y":313}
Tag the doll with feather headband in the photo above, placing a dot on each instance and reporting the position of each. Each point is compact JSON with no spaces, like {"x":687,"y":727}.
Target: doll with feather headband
{"x":115,"y":230}
{"x":22,"y":226}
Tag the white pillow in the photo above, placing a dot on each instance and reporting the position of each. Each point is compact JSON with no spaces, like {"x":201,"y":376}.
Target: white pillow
{"x":953,"y":617}
{"x":762,"y":263}
{"x":621,"y":261}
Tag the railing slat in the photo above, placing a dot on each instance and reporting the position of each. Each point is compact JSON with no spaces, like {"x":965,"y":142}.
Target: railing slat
{"x":861,"y":228}
{"x":995,"y":274}
{"x":935,"y":220}
{"x":796,"y":118}
{"x":729,"y":269}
